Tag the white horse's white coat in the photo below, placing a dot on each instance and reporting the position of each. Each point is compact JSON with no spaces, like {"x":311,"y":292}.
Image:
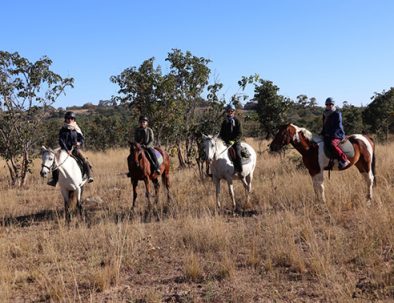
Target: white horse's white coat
{"x":70,"y":176}
{"x":222,"y":167}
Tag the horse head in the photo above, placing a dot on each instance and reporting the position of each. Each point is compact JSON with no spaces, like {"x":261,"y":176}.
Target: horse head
{"x":284,"y":136}
{"x":48,"y":159}
{"x":300,"y":137}
{"x":209,"y":147}
{"x":136,"y":152}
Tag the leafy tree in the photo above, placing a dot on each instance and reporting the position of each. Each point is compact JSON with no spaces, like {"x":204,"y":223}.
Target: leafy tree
{"x":191,"y":74}
{"x":169,"y":100}
{"x":379,"y":114}
{"x":302,"y":100}
{"x":27,"y":89}
{"x":271,"y":107}
{"x":352,"y":118}
{"x":312,"y":102}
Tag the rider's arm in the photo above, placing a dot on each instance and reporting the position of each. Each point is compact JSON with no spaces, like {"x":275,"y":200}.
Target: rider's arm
{"x":62,"y":139}
{"x":238,"y":134}
{"x":150,"y":139}
{"x":80,"y":139}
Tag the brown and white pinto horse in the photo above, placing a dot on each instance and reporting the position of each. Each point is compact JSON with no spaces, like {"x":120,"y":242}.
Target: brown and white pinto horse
{"x":315,"y":160}
{"x":140,"y":169}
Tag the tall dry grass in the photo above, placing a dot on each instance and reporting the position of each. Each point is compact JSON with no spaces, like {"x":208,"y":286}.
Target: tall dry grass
{"x":293,"y":249}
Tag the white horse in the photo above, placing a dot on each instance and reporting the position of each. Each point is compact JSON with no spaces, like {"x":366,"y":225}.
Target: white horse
{"x":70,"y":178}
{"x":223,"y":168}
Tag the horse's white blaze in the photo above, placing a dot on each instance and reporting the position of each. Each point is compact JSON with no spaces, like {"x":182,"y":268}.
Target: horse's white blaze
{"x":223,"y":168}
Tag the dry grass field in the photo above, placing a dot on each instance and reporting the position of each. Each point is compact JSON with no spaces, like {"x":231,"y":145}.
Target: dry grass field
{"x":287,"y":247}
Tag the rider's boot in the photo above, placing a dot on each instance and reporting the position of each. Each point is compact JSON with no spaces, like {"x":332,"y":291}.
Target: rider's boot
{"x":238,"y":166}
{"x":156,"y":165}
{"x":88,"y":171}
{"x":55,"y":178}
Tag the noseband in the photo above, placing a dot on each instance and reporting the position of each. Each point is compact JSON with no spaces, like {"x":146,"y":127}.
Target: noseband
{"x":53,"y":166}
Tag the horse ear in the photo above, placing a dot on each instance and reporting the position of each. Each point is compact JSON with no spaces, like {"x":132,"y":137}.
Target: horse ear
{"x":204,"y":136}
{"x":43,"y":148}
{"x":216,"y":136}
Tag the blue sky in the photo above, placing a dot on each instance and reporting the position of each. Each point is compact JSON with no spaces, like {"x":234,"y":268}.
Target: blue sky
{"x":343,"y":49}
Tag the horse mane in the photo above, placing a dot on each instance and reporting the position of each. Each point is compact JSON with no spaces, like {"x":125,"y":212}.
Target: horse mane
{"x":307,"y":134}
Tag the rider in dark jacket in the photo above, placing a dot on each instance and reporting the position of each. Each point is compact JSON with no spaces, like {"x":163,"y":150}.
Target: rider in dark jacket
{"x":333,"y":131}
{"x":144,"y":136}
{"x":71,"y":140}
{"x":231,"y":133}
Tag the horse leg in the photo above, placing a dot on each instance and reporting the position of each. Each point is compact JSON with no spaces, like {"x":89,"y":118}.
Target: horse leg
{"x":369,"y":179}
{"x":156,"y":184}
{"x":166,"y":181}
{"x":231,"y":191}
{"x":247,"y":182}
{"x":135,"y":183}
{"x":217,"y":184}
{"x":318,"y":186}
{"x":79,"y":204}
{"x":147,"y":214}
{"x":67,"y":215}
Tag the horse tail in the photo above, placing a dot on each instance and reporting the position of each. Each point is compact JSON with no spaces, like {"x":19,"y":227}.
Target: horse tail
{"x":373,"y":164}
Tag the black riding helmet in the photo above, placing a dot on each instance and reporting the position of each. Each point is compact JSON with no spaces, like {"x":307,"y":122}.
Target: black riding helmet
{"x":69,"y":115}
{"x":143,"y":118}
{"x":329,"y":100}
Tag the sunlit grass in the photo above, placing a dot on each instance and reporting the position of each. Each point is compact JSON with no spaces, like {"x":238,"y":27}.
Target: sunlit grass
{"x":292,"y":240}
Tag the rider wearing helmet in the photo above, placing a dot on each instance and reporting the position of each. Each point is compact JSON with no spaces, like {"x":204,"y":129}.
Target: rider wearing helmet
{"x":144,"y":136}
{"x":231,"y":133}
{"x":333,"y":131}
{"x":71,"y":140}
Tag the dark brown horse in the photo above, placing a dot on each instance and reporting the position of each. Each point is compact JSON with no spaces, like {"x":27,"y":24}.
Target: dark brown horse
{"x":316,"y":161}
{"x":140,"y":169}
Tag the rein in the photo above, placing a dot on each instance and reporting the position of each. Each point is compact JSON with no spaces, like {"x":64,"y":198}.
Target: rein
{"x":223,"y":151}
{"x":53,"y":166}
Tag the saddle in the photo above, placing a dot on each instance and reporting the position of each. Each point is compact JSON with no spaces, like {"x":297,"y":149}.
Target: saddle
{"x":345,"y":145}
{"x":245,"y":155}
{"x":81,"y":166}
{"x":158,"y":156}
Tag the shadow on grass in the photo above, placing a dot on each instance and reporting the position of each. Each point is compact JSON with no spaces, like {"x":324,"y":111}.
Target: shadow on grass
{"x":32,"y":219}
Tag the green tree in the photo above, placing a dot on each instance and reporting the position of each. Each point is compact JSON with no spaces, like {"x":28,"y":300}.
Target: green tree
{"x":271,"y":107}
{"x":302,"y":100}
{"x":352,"y":118}
{"x":169,"y":100}
{"x":379,"y":114}
{"x":27,"y":89}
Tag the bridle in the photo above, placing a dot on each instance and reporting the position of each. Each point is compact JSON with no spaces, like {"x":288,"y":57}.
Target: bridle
{"x":54,"y":167}
{"x":137,"y":153}
{"x":215,"y":152}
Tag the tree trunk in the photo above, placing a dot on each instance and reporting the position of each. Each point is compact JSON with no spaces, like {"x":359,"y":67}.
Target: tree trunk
{"x":182,"y":163}
{"x":24,"y":168}
{"x":13,"y":169}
